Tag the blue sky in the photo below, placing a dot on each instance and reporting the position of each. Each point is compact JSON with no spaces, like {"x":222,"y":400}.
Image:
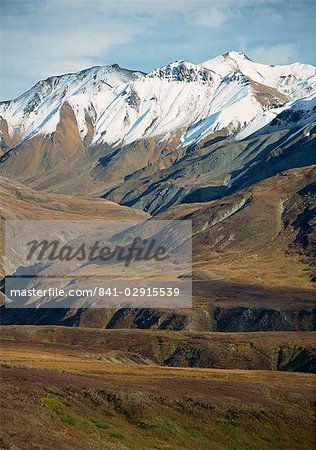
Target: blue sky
{"x":40,"y":38}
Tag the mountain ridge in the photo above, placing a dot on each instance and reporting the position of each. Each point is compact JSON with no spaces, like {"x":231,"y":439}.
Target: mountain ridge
{"x":124,"y":106}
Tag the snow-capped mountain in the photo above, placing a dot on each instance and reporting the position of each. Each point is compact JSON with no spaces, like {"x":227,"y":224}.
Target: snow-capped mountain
{"x":294,"y":80}
{"x":116,"y":106}
{"x":88,"y":91}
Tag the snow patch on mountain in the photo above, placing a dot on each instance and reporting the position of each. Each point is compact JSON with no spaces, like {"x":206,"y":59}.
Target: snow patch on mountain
{"x":296,"y":114}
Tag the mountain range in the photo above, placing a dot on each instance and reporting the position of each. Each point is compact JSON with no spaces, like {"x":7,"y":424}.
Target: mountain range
{"x":116,"y":106}
{"x":228,"y":143}
{"x":180,"y":133}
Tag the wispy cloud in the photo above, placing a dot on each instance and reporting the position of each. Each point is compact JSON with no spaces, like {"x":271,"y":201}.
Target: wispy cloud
{"x":210,"y":17}
{"x":276,"y":54}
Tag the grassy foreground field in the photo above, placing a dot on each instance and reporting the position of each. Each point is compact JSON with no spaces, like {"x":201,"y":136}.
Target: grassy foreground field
{"x":56,"y":396}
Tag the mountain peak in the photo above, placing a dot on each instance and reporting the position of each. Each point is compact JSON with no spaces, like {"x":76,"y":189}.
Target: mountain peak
{"x":233,"y":54}
{"x":183,"y":71}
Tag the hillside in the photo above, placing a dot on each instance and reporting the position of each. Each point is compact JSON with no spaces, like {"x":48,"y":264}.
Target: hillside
{"x":252,"y":351}
{"x":252,"y":258}
{"x":59,"y":396}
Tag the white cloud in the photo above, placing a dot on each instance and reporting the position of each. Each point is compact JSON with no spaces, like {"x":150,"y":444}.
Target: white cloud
{"x":277,"y":54}
{"x":49,"y":38}
{"x":210,"y":18}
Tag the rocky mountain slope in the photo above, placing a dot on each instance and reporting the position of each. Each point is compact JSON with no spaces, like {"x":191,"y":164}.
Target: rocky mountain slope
{"x":253,"y":258}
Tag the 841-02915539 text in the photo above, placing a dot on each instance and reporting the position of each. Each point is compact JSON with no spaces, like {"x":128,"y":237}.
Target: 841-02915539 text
{"x":100,"y":291}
